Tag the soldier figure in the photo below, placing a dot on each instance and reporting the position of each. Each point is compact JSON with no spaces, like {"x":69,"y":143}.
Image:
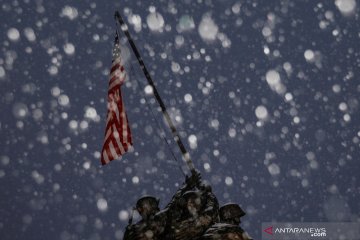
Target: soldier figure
{"x":153,"y":222}
{"x":151,"y":225}
{"x":191,"y":212}
{"x":231,"y":213}
{"x":228,"y":228}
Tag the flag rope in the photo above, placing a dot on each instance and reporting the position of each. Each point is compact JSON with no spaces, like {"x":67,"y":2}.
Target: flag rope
{"x":171,"y":125}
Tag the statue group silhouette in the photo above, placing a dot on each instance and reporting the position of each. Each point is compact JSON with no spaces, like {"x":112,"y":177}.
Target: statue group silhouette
{"x":192,"y":214}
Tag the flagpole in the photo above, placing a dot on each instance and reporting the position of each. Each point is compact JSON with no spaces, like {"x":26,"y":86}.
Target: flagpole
{"x":171,"y":125}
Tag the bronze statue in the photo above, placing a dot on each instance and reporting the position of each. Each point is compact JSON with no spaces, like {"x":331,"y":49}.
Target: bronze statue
{"x":228,"y":228}
{"x":151,"y":226}
{"x":191,"y":212}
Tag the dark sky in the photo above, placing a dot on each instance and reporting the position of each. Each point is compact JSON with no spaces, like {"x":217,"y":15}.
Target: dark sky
{"x":265,"y":95}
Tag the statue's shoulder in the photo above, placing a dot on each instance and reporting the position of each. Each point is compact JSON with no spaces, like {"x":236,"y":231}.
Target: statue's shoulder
{"x":136,"y":226}
{"x":219,"y":229}
{"x":219,"y":226}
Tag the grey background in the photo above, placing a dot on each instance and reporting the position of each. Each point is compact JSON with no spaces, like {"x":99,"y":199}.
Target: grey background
{"x":51,"y":181}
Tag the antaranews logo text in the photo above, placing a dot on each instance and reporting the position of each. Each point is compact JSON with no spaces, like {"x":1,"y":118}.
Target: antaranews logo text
{"x":310,"y":230}
{"x":314,"y":232}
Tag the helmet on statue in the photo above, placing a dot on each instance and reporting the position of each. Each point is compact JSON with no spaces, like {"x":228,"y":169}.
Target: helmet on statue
{"x":147,"y":206}
{"x":231,"y":213}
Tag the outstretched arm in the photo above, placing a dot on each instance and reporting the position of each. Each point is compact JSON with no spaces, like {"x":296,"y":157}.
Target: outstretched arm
{"x":211,"y":204}
{"x":190,"y":183}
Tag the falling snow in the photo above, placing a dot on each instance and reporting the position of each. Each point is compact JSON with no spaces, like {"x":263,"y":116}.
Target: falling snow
{"x":261,"y":112}
{"x":264,"y":94}
{"x":69,"y":49}
{"x":346,"y":7}
{"x":207,"y":28}
{"x":13,"y":34}
{"x":155,"y":21}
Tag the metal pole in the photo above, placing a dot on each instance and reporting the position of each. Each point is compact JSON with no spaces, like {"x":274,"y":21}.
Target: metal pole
{"x":171,"y":125}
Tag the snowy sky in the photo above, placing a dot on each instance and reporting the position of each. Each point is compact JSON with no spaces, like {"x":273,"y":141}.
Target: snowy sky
{"x":265,"y":95}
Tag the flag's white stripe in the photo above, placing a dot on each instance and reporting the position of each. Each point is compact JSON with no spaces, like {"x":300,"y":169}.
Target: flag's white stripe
{"x":112,"y":150}
{"x":113,"y":107}
{"x":116,"y":110}
{"x":107,"y":133}
{"x":105,"y":156}
{"x":123,"y":77}
{"x":115,"y":62}
{"x":118,"y":81}
{"x":117,"y":138}
{"x":110,"y":125}
{"x":115,"y":83}
{"x":117,"y":71}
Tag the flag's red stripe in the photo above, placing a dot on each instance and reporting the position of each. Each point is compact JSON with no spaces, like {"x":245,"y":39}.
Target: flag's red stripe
{"x":110,"y":156}
{"x":121,"y":80}
{"x":118,"y":122}
{"x":114,"y":67}
{"x":114,"y":89}
{"x":124,"y":120}
{"x":114,"y":121}
{"x":110,"y":124}
{"x":121,"y":112}
{"x":116,"y":146}
{"x":112,"y":139}
{"x":112,"y":79}
{"x":102,"y":156}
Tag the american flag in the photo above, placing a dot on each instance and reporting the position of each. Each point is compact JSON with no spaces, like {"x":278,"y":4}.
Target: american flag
{"x":118,"y":138}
